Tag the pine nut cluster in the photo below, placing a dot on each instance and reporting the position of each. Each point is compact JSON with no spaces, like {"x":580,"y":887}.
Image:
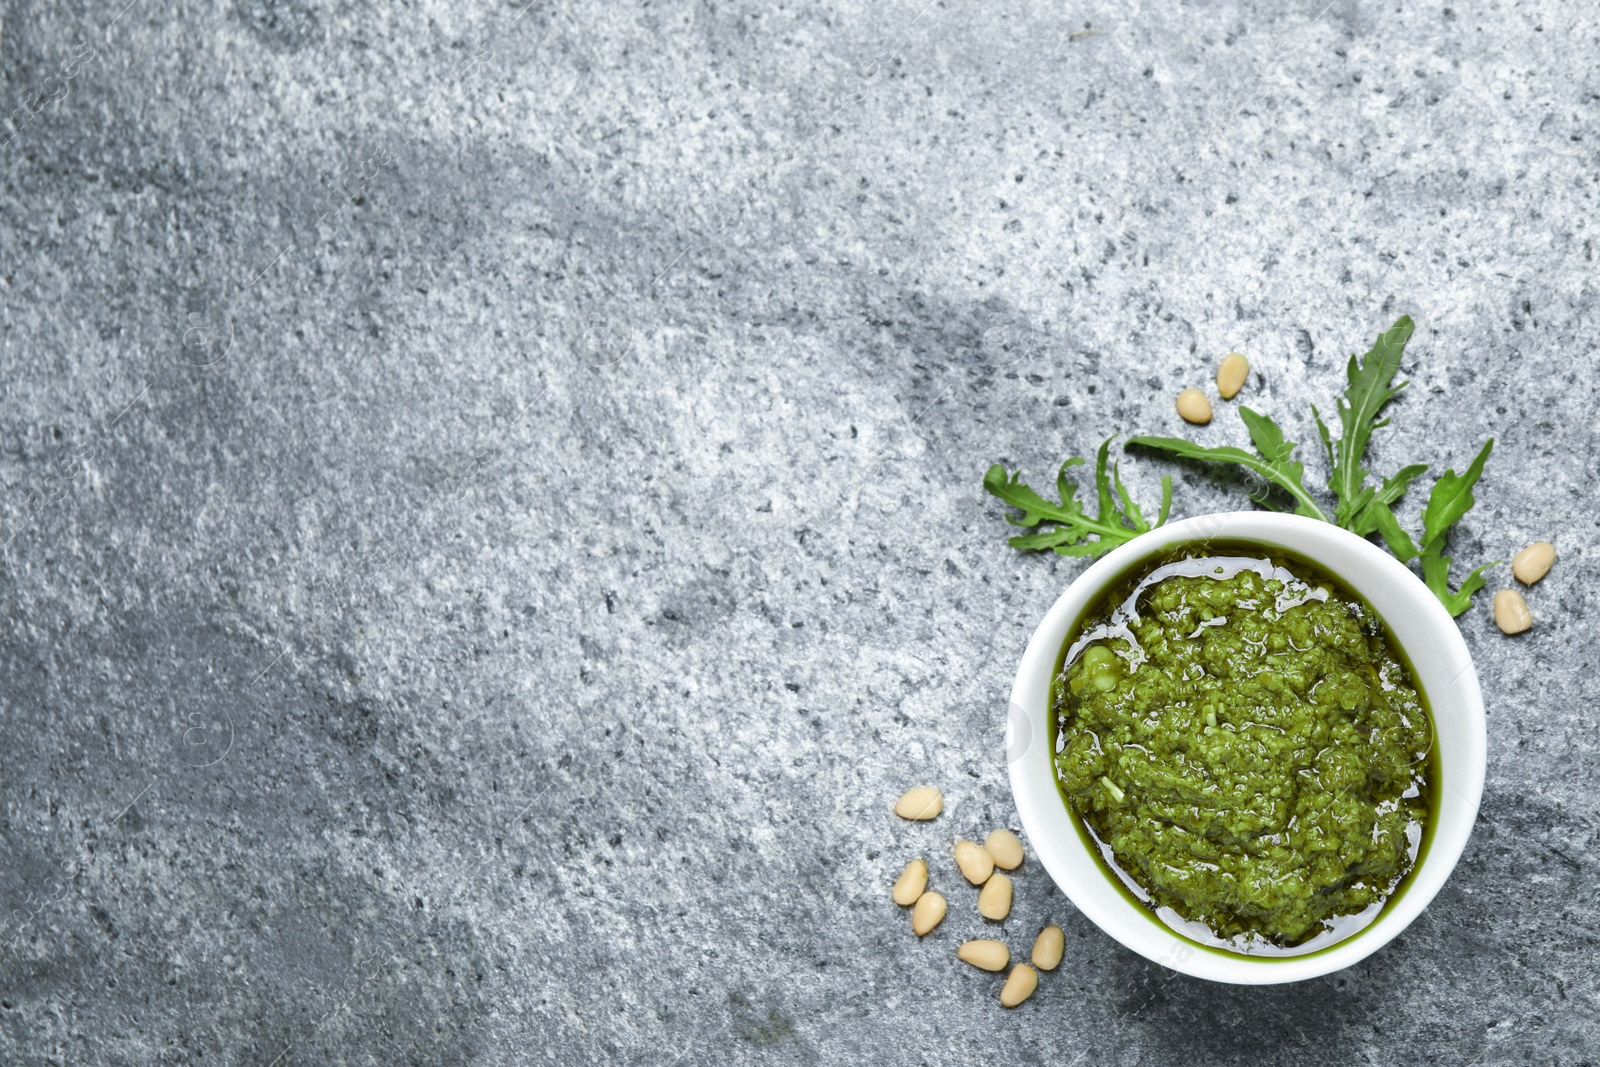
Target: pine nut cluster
{"x":977,"y":863}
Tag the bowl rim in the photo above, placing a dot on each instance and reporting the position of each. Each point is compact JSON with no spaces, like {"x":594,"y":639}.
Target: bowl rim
{"x":1044,"y":815}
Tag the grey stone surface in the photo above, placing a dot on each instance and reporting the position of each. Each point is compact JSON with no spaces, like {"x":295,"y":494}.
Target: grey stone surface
{"x":492,"y":507}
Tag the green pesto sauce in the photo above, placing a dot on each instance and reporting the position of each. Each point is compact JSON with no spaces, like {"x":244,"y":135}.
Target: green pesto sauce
{"x":1246,"y":746}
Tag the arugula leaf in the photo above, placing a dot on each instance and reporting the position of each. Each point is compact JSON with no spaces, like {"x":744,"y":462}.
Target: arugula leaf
{"x":1131,"y":509}
{"x":1273,"y":463}
{"x":1035,"y":508}
{"x":1102,"y":484}
{"x":1369,"y":519}
{"x":1450,"y":499}
{"x":1383,"y":521}
{"x":1367,"y":391}
{"x":1436,"y":575}
{"x":1073,"y":527}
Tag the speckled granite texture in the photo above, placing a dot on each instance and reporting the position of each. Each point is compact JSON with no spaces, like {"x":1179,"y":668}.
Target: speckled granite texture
{"x":492,"y":507}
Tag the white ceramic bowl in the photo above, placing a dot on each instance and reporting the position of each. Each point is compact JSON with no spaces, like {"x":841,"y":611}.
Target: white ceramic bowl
{"x":1417,"y":622}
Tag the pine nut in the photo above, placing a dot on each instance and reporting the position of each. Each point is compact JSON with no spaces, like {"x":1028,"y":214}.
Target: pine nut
{"x":1231,"y":375}
{"x":1511,"y":612}
{"x":1533,"y":562}
{"x":913,"y":880}
{"x":994,"y":900}
{"x":1048,"y":947}
{"x":1194,"y":407}
{"x":985,"y":955}
{"x":923,"y":802}
{"x":1005,"y":849}
{"x":928,"y":913}
{"x":1020,"y":984}
{"x":976,"y":864}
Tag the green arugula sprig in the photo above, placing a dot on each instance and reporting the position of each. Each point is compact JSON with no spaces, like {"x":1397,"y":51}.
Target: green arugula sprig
{"x":1369,"y":386}
{"x":1271,"y":462}
{"x":1450,"y":499}
{"x":1359,"y":507}
{"x":1065,"y":526}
